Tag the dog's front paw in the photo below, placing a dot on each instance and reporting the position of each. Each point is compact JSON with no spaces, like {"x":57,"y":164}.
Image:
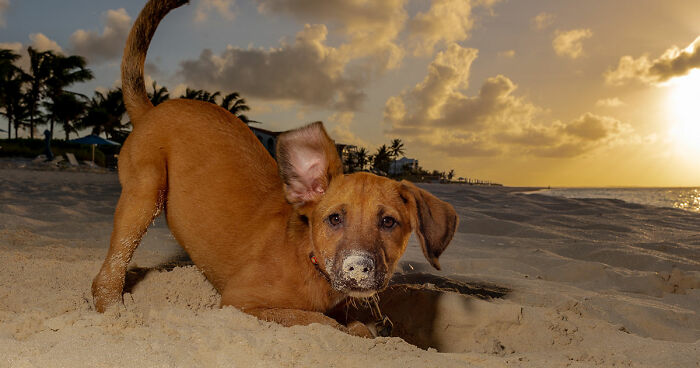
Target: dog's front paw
{"x":103,"y":295}
{"x":357,"y":328}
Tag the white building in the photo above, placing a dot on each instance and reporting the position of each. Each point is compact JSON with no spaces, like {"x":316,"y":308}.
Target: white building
{"x":267,"y":138}
{"x":404,"y":163}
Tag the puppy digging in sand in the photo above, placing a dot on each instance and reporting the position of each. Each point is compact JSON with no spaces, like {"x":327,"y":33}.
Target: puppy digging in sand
{"x":284,"y":241}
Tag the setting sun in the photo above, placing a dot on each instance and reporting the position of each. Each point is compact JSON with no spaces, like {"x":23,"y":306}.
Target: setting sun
{"x":684,"y":112}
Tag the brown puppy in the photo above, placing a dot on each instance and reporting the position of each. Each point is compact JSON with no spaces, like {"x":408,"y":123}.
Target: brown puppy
{"x":284,"y":246}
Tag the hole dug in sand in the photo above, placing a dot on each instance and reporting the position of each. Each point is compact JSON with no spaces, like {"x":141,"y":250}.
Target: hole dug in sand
{"x":425,"y":310}
{"x":430,"y":311}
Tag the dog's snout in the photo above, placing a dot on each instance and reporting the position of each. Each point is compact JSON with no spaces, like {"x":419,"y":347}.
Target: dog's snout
{"x":358,"y":267}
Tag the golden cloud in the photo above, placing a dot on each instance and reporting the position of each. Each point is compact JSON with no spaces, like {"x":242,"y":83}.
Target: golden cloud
{"x":438,"y":115}
{"x":542,"y":21}
{"x":371,"y":27}
{"x":42,"y":43}
{"x":446,"y":21}
{"x":223,"y":8}
{"x":674,"y":62}
{"x":98,"y":47}
{"x":306,"y":71}
{"x":570,"y":43}
{"x":609,"y":102}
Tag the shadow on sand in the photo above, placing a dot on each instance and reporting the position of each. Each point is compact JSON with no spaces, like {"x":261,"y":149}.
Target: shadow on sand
{"x":421,"y":308}
{"x":134,"y":275}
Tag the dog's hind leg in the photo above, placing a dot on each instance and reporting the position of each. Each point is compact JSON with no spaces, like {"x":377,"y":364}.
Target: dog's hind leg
{"x":296,"y":317}
{"x":141,"y":200}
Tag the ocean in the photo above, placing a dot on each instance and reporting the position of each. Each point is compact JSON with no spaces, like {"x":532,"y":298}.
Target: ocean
{"x":683,"y":198}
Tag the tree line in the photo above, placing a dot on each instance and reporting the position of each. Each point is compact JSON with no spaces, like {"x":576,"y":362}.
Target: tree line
{"x":39,"y":96}
{"x":385,"y":158}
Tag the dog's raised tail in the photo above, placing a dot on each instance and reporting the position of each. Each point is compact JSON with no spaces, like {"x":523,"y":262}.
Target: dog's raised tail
{"x":133,"y":87}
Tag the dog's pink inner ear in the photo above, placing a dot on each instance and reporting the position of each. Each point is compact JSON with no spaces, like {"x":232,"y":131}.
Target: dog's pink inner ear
{"x":307,"y":160}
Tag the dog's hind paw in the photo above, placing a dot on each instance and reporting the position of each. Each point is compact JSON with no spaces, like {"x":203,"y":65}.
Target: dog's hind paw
{"x":359,"y":329}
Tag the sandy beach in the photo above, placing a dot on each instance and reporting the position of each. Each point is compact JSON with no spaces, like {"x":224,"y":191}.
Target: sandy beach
{"x":528,"y":281}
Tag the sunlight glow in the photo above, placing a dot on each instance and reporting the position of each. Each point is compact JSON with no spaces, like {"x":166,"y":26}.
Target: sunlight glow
{"x":684,"y":112}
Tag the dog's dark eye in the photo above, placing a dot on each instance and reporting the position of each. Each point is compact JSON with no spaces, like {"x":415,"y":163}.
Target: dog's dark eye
{"x":388,"y":222}
{"x":334,"y":219}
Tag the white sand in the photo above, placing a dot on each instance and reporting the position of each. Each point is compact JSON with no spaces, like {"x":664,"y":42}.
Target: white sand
{"x":585,"y":283}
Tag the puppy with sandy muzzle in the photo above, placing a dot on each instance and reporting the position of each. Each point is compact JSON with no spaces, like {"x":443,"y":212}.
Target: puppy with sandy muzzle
{"x":284,"y":241}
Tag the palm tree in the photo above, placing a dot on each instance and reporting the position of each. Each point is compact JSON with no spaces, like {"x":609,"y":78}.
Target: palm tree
{"x":159,"y":95}
{"x":67,"y":109}
{"x":14,"y":107}
{"x":104,"y":115}
{"x":395,"y":150}
{"x":236,"y":105}
{"x":200,"y":94}
{"x":65,"y":71}
{"x":382,"y":159}
{"x":12,"y":79}
{"x":191,"y":94}
{"x":451,"y":174}
{"x":39,"y":73}
{"x":232,"y":102}
{"x":360,"y":158}
{"x":209,"y":97}
{"x":7,"y":61}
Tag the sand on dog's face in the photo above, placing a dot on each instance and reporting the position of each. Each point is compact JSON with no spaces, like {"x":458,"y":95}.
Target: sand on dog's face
{"x":593,"y":283}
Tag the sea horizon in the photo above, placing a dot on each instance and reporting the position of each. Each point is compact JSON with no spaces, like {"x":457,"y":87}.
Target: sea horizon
{"x":685,"y":198}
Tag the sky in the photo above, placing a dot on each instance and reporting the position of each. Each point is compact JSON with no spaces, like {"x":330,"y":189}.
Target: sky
{"x":536,"y":92}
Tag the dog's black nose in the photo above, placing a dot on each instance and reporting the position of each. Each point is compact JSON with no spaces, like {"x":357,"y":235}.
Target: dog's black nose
{"x":358,"y":267}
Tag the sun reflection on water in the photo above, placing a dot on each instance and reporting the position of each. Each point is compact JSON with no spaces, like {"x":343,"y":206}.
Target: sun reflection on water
{"x":688,"y":200}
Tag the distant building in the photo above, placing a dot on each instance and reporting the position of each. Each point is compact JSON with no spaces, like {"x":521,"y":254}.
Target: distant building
{"x":267,"y":138}
{"x":345,"y":151}
{"x":404,"y":163}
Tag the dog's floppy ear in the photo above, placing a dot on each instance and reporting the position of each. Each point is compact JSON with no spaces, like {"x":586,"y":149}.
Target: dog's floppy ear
{"x":307,"y":160}
{"x":433,"y":220}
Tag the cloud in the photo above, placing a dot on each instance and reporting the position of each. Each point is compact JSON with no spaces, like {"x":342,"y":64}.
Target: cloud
{"x":109,"y":45}
{"x":20,"y":50}
{"x":564,"y":140}
{"x":342,"y":132}
{"x":591,"y":127}
{"x":437,"y":115}
{"x":542,"y":21}
{"x":42,"y":43}
{"x":14,"y":46}
{"x":223,"y":8}
{"x":4,"y":5}
{"x":609,"y":102}
{"x":674,"y":62}
{"x":178,"y":90}
{"x":370,"y":27}
{"x":38,"y":41}
{"x":437,"y":101}
{"x":446,"y":21}
{"x":509,"y":54}
{"x":570,"y":43}
{"x":306,"y":71}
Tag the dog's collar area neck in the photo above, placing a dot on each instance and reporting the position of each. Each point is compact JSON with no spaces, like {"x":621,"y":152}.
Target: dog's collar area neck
{"x":314,"y":261}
